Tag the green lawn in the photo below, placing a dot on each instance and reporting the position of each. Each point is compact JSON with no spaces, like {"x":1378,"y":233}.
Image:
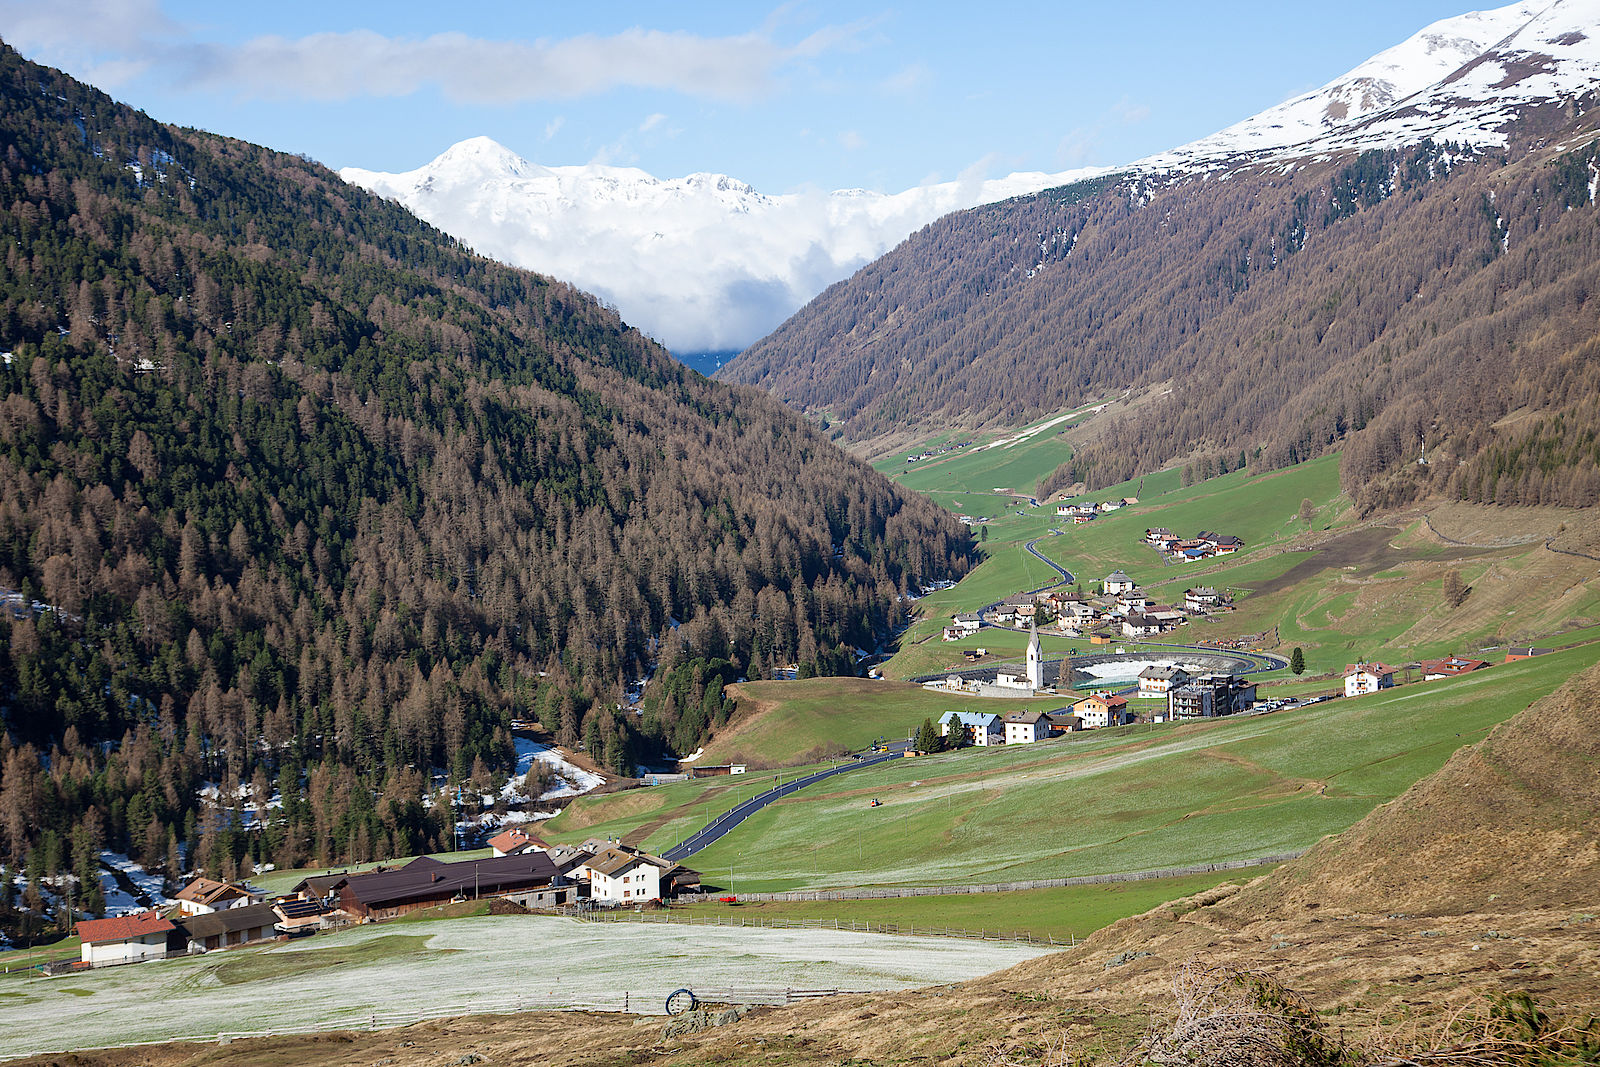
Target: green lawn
{"x":1073,"y":911}
{"x":1134,"y":799}
{"x":799,"y":716}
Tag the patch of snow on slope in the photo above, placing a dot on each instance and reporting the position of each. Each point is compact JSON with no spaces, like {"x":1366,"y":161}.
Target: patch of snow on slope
{"x":1460,"y":79}
{"x":118,"y":900}
{"x":572,"y":779}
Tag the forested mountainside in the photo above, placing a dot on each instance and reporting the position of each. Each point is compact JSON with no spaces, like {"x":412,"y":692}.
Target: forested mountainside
{"x":1362,"y":302}
{"x":296,"y":490}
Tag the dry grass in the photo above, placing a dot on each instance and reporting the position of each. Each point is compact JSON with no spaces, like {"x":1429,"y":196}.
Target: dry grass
{"x":1225,"y":1017}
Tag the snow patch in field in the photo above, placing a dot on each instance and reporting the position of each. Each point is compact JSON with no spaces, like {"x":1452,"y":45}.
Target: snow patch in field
{"x":572,"y":779}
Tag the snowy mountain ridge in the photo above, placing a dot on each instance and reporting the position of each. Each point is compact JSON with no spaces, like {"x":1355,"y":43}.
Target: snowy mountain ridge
{"x":1460,"y":79}
{"x":705,"y":262}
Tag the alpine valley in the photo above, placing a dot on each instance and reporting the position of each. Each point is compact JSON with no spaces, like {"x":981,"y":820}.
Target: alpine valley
{"x":1406,"y":255}
{"x":1146,"y":616}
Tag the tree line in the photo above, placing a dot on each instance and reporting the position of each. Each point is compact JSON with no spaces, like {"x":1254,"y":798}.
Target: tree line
{"x":297,"y":493}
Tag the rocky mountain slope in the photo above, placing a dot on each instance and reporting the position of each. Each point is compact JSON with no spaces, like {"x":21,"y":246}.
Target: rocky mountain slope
{"x":701,"y":263}
{"x":1324,"y":276}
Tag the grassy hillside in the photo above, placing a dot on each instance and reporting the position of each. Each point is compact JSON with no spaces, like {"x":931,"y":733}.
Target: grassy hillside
{"x":779,"y":722}
{"x":1130,"y":799}
{"x":1071,"y":911}
{"x":1339,"y":588}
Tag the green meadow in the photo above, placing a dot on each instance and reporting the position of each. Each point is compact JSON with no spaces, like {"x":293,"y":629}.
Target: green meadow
{"x":779,"y":722}
{"x":1136,"y":798}
{"x":1071,"y":911}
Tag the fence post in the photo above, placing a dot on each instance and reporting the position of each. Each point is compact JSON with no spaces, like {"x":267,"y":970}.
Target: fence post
{"x":624,"y":1002}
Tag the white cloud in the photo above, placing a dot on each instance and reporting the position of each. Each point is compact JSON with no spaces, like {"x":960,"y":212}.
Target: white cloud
{"x":135,"y":36}
{"x":553,"y":127}
{"x":851,"y":140}
{"x":651,"y":122}
{"x":909,"y":81}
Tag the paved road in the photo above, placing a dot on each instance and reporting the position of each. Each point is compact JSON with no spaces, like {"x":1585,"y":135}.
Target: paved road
{"x":1065,"y":579}
{"x":1066,"y":575}
{"x":718,"y":827}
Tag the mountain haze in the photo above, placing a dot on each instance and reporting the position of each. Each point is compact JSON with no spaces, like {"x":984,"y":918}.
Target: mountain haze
{"x":701,"y":263}
{"x":1351,"y":281}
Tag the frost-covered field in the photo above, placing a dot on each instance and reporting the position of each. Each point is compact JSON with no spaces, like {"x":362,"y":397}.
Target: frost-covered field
{"x":446,"y":966}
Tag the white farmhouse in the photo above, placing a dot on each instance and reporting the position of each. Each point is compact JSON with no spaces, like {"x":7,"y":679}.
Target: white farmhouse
{"x":1118,"y":582}
{"x":621,"y":876}
{"x":1026,"y":727}
{"x":1157,"y":681}
{"x":126,"y":938}
{"x":1362,"y":678}
{"x":980,"y":728}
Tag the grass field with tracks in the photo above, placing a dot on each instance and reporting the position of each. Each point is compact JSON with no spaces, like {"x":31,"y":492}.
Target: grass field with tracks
{"x":1136,"y":798}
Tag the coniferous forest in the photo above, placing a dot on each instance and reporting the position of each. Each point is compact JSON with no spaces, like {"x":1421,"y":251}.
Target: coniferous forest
{"x":297,"y":492}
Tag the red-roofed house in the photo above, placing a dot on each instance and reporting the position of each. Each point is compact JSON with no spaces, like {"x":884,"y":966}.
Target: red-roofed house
{"x":127,"y":938}
{"x":515,"y":840}
{"x":1102,"y":709}
{"x":1449,"y":667}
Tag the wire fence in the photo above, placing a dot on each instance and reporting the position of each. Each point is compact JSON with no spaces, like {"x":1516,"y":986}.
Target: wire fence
{"x":892,"y":892}
{"x":849,"y":925}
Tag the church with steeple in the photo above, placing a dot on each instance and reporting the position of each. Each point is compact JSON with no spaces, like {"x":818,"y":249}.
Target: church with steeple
{"x":1035,"y":660}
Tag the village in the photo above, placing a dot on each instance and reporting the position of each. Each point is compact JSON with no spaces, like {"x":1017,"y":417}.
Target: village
{"x":1189,"y":681}
{"x":522,"y":874}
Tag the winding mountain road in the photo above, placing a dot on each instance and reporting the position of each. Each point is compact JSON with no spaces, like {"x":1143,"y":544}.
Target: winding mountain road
{"x":719,"y":827}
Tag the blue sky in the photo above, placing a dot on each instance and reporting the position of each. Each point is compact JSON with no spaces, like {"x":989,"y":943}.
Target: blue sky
{"x":805,"y":94}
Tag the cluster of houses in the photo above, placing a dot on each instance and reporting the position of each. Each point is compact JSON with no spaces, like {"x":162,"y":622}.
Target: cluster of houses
{"x":1200,"y":696}
{"x":1122,"y":607}
{"x":1185,"y":549}
{"x":1088,"y":511}
{"x":929,"y":453}
{"x":1362,"y":678}
{"x":208,"y":915}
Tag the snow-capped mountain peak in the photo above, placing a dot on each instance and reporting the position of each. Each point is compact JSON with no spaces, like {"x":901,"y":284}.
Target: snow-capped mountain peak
{"x":1461,"y":79}
{"x":703,"y":262}
{"x":706,"y":262}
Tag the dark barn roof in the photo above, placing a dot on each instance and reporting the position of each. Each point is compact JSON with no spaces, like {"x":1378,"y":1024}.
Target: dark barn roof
{"x":227,"y":921}
{"x":424,"y":879}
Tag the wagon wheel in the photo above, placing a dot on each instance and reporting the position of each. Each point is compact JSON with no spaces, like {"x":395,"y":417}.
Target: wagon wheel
{"x":680,"y":1001}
